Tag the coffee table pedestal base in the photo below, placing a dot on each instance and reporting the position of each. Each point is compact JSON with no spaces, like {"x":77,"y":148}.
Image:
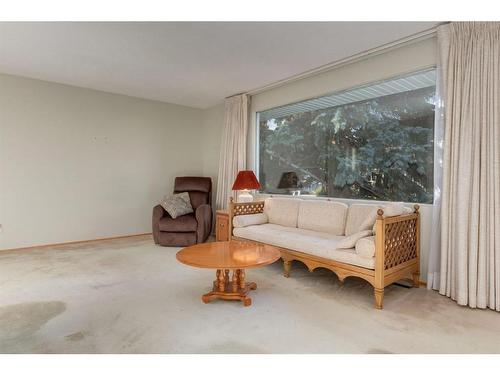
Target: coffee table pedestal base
{"x":235,"y":288}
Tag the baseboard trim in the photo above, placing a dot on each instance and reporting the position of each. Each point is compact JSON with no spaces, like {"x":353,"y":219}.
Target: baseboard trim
{"x":75,"y":242}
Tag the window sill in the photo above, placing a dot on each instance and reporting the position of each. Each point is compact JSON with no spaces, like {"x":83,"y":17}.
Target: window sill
{"x":345,"y":200}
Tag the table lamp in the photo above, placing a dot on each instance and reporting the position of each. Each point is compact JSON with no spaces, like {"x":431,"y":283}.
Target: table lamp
{"x":245,"y":181}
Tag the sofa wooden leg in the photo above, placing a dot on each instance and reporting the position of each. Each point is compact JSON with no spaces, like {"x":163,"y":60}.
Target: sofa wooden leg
{"x":287,"y":266}
{"x":416,"y":279}
{"x":379,"y":297}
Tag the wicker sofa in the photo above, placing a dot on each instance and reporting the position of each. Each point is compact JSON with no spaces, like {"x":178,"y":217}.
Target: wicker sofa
{"x":358,"y":240}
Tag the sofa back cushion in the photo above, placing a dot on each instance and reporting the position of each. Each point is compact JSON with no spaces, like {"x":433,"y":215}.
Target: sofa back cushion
{"x":357,"y":215}
{"x":322,"y":216}
{"x":282,"y":211}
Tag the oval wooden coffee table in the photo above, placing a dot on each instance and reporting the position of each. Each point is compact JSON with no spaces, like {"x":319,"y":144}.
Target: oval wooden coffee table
{"x":226,"y":256}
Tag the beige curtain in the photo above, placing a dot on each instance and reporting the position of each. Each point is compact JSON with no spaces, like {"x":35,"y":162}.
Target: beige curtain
{"x":233,"y":152}
{"x":470,"y":216}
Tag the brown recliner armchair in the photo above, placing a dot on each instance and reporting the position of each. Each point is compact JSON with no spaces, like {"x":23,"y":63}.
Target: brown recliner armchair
{"x":188,"y":229}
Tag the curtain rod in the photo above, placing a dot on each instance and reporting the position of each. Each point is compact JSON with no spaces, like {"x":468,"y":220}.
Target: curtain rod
{"x":426,"y":34}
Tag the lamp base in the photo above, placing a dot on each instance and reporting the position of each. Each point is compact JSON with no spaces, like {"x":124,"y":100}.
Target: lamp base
{"x":245,"y":196}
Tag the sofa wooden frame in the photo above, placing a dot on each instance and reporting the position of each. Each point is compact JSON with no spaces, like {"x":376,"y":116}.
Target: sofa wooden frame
{"x":397,"y":250}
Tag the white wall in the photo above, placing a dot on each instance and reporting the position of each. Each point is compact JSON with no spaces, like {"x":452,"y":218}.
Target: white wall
{"x":78,"y":164}
{"x":402,"y":60}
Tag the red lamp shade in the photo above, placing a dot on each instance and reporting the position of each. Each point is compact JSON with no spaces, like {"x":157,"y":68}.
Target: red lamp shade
{"x":246,"y":180}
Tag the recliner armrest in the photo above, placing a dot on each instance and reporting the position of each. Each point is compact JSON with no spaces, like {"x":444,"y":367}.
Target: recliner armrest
{"x":203,"y":216}
{"x":158,"y":213}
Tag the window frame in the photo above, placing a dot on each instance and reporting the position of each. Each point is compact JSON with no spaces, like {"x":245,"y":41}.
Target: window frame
{"x":256,"y":134}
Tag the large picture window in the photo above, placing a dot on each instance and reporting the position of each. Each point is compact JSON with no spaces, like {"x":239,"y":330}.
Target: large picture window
{"x":371,"y":142}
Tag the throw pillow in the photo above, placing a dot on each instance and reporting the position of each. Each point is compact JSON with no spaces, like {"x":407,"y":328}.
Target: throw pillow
{"x":369,"y":222}
{"x":350,"y":241}
{"x":394,"y":209}
{"x":404,"y":211}
{"x":177,"y":205}
{"x":242,"y":221}
{"x":365,"y":247}
{"x":408,"y":210}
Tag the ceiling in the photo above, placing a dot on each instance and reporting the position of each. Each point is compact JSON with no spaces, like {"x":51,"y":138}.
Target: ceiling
{"x":196,"y":64}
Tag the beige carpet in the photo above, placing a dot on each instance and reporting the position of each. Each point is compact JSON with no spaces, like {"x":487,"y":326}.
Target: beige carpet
{"x":130,"y":296}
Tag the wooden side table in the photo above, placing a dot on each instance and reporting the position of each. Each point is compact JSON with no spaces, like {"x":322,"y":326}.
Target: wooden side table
{"x":222,"y":225}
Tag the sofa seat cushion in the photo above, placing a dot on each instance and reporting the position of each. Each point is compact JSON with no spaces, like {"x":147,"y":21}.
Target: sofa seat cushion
{"x":185,"y":223}
{"x":320,"y":244}
{"x":322,"y":216}
{"x":282,"y":211}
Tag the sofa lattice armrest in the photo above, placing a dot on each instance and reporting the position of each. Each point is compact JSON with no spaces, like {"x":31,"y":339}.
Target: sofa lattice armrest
{"x":397,"y":250}
{"x":243,"y":208}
